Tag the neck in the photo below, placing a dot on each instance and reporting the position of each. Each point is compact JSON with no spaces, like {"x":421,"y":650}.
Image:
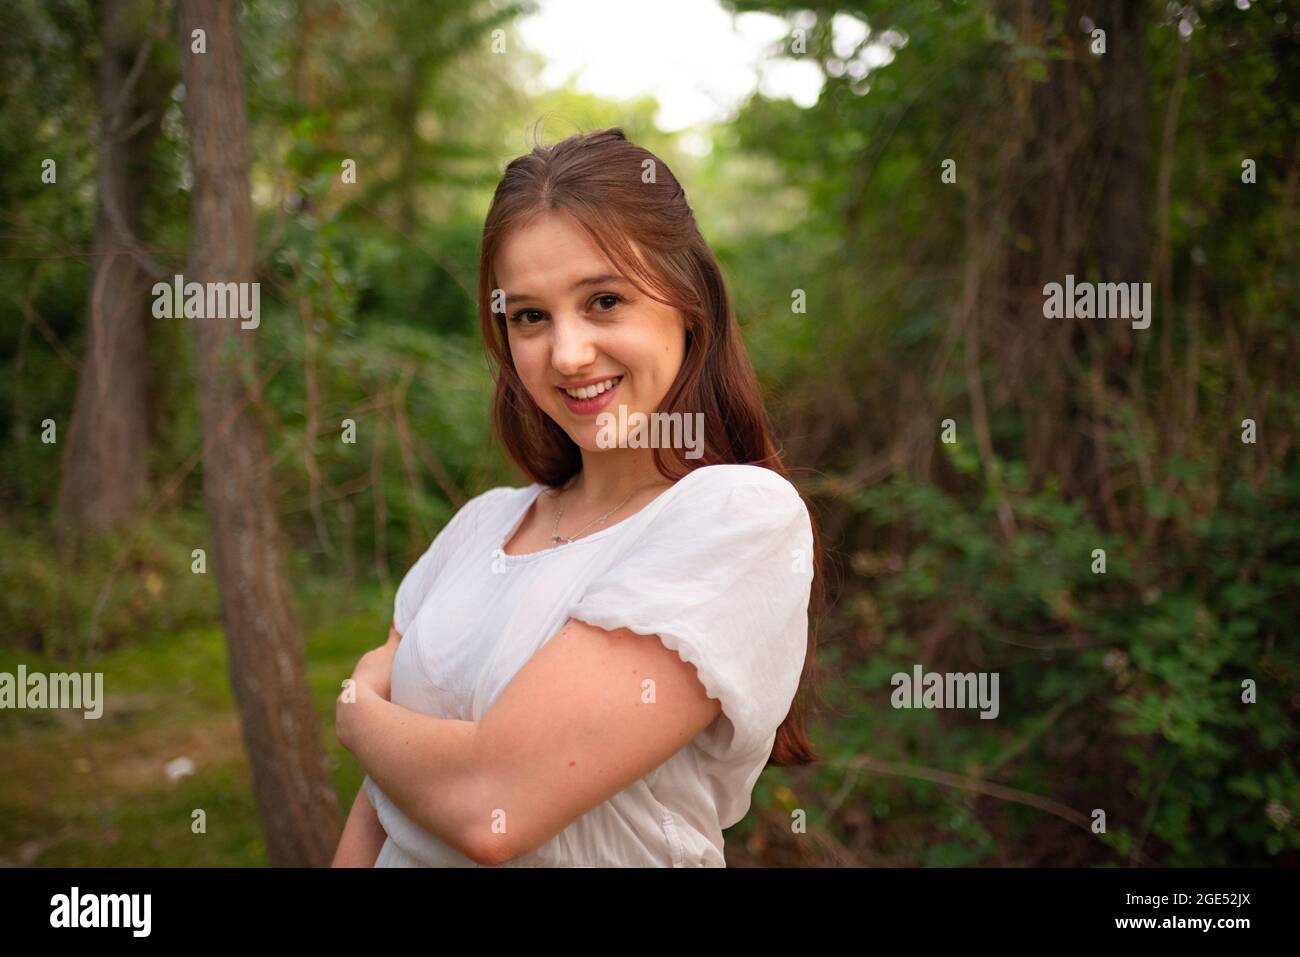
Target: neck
{"x":608,"y":475}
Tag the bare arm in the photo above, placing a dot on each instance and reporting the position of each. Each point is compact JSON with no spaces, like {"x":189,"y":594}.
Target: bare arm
{"x":572,"y":729}
{"x":363,"y":835}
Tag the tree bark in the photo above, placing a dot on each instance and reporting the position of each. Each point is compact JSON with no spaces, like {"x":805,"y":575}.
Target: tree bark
{"x":103,"y":474}
{"x":1123,"y":230}
{"x":295,"y":796}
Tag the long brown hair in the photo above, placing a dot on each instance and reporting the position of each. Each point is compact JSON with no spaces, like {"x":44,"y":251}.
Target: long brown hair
{"x":615,"y":189}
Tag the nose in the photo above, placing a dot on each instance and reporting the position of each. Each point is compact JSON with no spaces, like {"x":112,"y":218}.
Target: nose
{"x":572,"y":348}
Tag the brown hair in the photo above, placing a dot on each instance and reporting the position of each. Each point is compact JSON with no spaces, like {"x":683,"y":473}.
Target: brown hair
{"x":598,"y":179}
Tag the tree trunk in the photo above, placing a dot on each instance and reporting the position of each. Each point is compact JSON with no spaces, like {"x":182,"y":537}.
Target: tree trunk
{"x":1124,"y":240}
{"x":103,"y":474}
{"x":1123,"y":228}
{"x":295,"y":796}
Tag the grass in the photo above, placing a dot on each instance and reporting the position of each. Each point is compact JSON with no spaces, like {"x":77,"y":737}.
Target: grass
{"x":94,"y":793}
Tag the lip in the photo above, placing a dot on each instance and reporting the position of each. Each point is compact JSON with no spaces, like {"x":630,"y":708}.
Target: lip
{"x":579,"y":385}
{"x":589,"y":406}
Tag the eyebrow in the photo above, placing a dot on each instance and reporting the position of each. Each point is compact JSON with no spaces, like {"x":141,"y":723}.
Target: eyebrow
{"x":589,"y":281}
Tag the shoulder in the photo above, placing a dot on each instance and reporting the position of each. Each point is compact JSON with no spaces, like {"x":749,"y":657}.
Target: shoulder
{"x":729,"y":498}
{"x":501,"y":496}
{"x":766,"y":485}
{"x":495,"y":502}
{"x":488,"y":507}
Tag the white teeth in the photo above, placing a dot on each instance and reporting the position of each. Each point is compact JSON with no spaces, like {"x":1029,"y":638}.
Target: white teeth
{"x":591,"y":391}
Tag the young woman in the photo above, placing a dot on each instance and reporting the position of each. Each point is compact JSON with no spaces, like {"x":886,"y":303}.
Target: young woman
{"x":594,"y":669}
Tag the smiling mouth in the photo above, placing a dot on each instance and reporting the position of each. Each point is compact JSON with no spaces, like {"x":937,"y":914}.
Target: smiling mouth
{"x":588,"y":392}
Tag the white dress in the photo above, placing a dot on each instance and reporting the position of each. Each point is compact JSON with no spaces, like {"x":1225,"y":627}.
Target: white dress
{"x":719,"y":566}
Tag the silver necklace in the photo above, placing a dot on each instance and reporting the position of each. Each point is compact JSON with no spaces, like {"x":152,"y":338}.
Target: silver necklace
{"x":555,"y":529}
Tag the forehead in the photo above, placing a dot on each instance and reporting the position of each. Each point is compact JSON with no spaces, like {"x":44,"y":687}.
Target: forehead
{"x":548,"y":249}
{"x":549,"y":254}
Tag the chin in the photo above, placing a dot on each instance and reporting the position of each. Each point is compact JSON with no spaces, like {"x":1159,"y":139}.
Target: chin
{"x":587,"y":442}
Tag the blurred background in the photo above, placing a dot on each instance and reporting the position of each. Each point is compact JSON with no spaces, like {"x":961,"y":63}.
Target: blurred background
{"x":917,"y":170}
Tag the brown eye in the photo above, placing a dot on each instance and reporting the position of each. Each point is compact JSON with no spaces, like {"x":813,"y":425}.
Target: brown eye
{"x":518,"y":317}
{"x":609,"y":295}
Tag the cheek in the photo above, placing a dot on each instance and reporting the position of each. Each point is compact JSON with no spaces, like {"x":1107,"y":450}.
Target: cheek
{"x":656,"y":353}
{"x":528,"y":359}
{"x":668,"y":352}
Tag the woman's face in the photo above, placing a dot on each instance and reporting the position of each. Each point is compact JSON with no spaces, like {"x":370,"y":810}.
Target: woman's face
{"x":584,"y":339}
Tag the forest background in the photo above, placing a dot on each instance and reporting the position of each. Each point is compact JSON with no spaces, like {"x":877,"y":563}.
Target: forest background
{"x":1108,"y":517}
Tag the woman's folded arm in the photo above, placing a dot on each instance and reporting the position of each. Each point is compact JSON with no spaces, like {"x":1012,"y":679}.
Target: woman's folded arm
{"x":591,"y":713}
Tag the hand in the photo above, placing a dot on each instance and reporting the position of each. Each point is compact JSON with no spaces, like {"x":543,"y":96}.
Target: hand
{"x":372,"y":675}
{"x":375,"y":669}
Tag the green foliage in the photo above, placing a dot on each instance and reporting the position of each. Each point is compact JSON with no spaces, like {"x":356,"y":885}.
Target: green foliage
{"x":115,"y":588}
{"x":1164,"y":648}
{"x":76,"y":800}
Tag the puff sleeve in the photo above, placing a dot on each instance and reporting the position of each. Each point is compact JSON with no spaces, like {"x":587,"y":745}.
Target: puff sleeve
{"x":722,"y":575}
